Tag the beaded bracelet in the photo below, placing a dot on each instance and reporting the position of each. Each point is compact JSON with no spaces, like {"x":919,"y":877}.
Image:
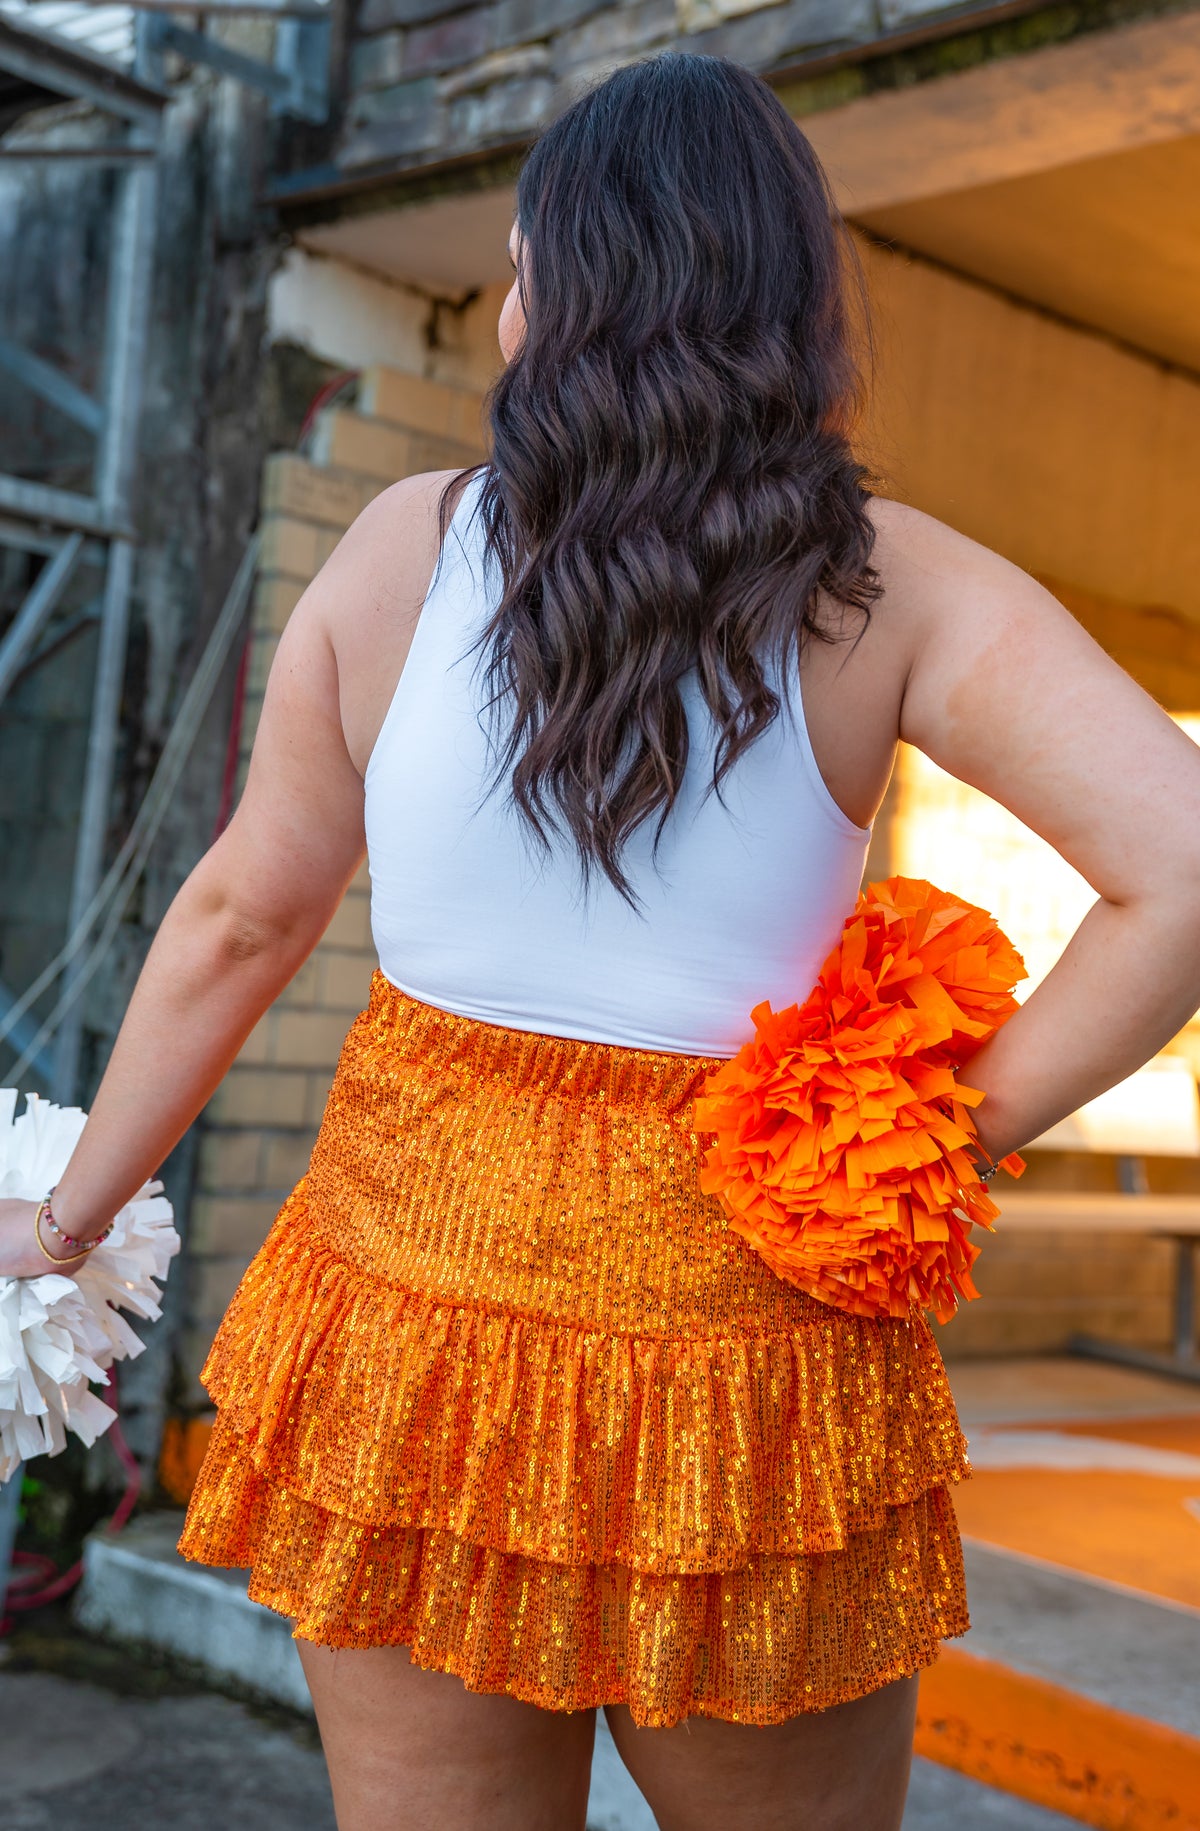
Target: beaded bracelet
{"x":79,"y":1248}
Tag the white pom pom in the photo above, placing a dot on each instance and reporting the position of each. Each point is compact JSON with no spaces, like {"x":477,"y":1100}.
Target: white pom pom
{"x":60,"y":1332}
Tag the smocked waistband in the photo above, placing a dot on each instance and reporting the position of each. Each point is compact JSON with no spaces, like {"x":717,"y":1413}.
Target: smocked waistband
{"x":554,"y":1066}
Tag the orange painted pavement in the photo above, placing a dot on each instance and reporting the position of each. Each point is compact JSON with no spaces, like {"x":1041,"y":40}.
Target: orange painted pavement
{"x":1057,"y":1749}
{"x":1178,"y":1431}
{"x":1130,"y":1528}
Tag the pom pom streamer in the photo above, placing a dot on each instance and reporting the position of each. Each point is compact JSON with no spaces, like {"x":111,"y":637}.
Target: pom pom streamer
{"x":60,"y":1333}
{"x":842,"y":1131}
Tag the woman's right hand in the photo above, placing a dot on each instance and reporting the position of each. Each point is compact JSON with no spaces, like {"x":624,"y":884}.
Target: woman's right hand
{"x":19,"y":1255}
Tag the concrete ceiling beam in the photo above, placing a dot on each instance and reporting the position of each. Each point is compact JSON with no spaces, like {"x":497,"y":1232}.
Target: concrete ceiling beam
{"x":1136,"y":85}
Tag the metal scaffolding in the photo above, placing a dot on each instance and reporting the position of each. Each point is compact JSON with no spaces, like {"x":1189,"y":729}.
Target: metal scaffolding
{"x":97,"y":525}
{"x":56,"y":522}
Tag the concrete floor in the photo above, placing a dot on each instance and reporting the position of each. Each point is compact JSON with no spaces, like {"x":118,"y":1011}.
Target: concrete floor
{"x":1040,"y":1387}
{"x":76,"y":1757}
{"x":131,"y":1744}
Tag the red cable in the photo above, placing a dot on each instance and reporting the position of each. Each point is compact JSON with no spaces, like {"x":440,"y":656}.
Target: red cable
{"x":32,"y":1568}
{"x":324,"y":394}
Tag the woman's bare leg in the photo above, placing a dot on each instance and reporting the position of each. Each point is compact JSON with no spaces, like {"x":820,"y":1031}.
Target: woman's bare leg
{"x":416,"y":1751}
{"x":844,"y":1769}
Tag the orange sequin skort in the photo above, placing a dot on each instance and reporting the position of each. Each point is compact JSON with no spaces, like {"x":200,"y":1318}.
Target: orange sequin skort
{"x":502,"y":1387}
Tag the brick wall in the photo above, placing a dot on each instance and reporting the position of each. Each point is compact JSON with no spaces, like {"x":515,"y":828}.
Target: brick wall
{"x":259,"y":1127}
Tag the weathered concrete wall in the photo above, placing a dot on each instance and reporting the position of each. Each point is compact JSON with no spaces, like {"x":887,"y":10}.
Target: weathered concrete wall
{"x":431,"y":76}
{"x":355,"y":320}
{"x":429,"y":79}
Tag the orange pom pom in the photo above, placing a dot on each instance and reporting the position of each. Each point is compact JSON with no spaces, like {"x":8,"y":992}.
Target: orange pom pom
{"x":842,"y":1131}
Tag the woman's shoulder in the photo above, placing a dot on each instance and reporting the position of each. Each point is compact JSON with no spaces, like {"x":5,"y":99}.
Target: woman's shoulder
{"x":906,"y":536}
{"x":381,"y":568}
{"x":369,"y":594}
{"x":924,"y":564}
{"x":399,"y":529}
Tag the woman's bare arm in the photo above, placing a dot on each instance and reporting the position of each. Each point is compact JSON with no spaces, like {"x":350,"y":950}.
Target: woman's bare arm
{"x":1007,"y":692}
{"x":259,"y":900}
{"x":238,"y":930}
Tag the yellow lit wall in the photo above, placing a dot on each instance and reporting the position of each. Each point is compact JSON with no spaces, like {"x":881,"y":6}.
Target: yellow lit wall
{"x":1067,"y":452}
{"x":1080,"y":461}
{"x":955,"y":836}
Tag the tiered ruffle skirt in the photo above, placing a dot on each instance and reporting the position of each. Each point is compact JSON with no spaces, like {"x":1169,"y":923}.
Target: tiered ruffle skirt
{"x":502,"y":1387}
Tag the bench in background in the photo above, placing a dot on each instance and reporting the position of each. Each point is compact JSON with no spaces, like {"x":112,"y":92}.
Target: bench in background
{"x":1155,"y":1113}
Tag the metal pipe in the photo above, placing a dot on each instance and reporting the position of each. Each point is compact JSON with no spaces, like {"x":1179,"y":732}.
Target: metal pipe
{"x":10,"y":1506}
{"x":1185,"y":1300}
{"x":232,"y":9}
{"x":126,"y":324}
{"x":200,"y":48}
{"x":27,"y":539}
{"x":67,"y":69}
{"x":97,"y":789}
{"x":125,"y":341}
{"x":39,"y":603}
{"x":114,"y":154}
{"x":67,"y":508}
{"x":51,"y":384}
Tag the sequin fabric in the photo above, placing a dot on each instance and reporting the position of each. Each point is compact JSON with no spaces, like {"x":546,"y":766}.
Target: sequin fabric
{"x":503,"y":1387}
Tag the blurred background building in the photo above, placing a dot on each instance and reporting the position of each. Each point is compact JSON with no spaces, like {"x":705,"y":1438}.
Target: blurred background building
{"x":251,"y":259}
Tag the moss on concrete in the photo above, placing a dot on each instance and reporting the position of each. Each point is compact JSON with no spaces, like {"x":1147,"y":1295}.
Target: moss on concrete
{"x":874,"y":67}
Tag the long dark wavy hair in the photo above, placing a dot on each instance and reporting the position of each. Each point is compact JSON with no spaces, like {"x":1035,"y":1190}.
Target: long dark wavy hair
{"x":671,"y":483}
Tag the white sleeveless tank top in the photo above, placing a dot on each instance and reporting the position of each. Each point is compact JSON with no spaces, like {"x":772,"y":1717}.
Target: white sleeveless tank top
{"x":743,"y":901}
